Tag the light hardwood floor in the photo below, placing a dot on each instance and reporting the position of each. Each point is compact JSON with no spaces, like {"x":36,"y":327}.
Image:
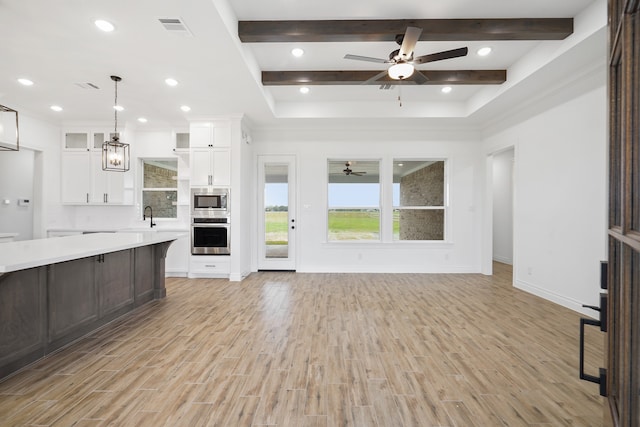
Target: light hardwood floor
{"x":291,"y":349}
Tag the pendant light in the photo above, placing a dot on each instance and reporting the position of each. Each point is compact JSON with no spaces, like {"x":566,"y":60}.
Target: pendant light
{"x":115,"y":154}
{"x":9,"y":140}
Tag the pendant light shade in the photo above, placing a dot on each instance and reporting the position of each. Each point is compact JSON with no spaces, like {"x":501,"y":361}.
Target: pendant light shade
{"x":9,"y":140}
{"x":115,"y":154}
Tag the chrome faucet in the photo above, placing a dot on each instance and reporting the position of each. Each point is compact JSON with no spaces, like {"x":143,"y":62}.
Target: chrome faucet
{"x":144,"y":216}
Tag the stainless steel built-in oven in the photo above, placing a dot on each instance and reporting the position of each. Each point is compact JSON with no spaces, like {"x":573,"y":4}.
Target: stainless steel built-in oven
{"x":209,"y":202}
{"x":210,"y":236}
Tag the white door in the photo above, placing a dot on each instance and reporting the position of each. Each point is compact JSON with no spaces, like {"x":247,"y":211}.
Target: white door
{"x":276,"y":213}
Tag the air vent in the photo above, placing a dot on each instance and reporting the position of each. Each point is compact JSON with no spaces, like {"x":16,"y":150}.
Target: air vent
{"x":386,"y":86}
{"x":175,"y":26}
{"x":87,"y":86}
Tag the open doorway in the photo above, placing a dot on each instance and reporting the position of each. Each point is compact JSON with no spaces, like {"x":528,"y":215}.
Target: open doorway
{"x":20,"y":182}
{"x":503,"y":198}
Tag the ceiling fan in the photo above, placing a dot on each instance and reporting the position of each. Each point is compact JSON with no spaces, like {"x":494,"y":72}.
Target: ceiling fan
{"x":347,"y":171}
{"x":402,"y":60}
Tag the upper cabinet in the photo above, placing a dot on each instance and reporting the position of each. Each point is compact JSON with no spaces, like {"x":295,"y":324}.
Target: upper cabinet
{"x":210,"y":134}
{"x":83,"y":182}
{"x":86,"y":140}
{"x":210,"y":146}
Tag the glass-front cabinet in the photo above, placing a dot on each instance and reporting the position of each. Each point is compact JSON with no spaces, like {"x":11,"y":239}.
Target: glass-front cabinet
{"x":87,"y":140}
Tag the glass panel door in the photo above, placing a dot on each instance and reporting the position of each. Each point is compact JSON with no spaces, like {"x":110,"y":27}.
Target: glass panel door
{"x":277,"y":222}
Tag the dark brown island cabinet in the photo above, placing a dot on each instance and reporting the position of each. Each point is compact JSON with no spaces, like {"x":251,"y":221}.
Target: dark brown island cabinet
{"x":54,"y":291}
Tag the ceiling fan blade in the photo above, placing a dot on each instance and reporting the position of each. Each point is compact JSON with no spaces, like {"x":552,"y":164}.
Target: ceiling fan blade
{"x":411,"y":36}
{"x":439,"y":56}
{"x":366,"y":58}
{"x":374,"y":78}
{"x":418,"y":77}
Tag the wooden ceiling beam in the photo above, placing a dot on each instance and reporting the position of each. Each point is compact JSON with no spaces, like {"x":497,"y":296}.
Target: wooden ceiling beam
{"x":436,"y":77}
{"x":386,"y":30}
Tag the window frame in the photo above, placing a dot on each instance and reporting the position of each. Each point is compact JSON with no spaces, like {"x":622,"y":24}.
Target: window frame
{"x":144,"y":189}
{"x":379,"y":208}
{"x":387,"y":207}
{"x":445,"y":199}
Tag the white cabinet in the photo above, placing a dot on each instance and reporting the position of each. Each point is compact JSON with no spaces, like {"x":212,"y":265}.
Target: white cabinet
{"x":209,"y":266}
{"x":210,"y":134}
{"x":86,"y":140}
{"x":210,"y":161}
{"x":82,"y":179}
{"x":210,"y":167}
{"x":106,"y":187}
{"x":76,"y":170}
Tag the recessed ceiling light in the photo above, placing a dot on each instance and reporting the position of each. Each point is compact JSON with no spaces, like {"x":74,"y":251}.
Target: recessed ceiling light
{"x":118,"y":107}
{"x":185,"y":108}
{"x":25,"y":82}
{"x":171,"y":82}
{"x":484,"y":51}
{"x":105,"y":26}
{"x":446,"y":89}
{"x":142,"y":120}
{"x":56,"y":108}
{"x":304,"y":89}
{"x":297,"y":52}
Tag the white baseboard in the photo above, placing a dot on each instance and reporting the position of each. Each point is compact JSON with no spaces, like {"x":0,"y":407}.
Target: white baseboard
{"x":504,"y":260}
{"x":238,"y":277}
{"x":175,"y":274}
{"x":562,"y":300}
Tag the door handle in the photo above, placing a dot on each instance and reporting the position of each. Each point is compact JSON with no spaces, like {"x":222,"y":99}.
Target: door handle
{"x":601,"y":379}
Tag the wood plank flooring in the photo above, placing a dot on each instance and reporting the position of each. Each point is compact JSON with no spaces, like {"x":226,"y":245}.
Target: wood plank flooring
{"x":287,"y":349}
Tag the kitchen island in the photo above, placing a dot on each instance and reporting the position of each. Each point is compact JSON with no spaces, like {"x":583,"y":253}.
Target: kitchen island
{"x":54,"y":291}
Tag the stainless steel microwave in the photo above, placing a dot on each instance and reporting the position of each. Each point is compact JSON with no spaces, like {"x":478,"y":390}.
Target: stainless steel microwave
{"x":209,"y":202}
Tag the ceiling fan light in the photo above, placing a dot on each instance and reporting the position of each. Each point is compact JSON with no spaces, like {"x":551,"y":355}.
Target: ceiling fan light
{"x":400,"y":71}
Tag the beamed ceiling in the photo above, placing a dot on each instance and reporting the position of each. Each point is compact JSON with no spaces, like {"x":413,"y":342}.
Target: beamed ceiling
{"x":234,"y":58}
{"x":388,"y":30}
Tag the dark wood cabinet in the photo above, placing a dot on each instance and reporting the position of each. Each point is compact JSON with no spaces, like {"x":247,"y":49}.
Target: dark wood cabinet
{"x":47,"y":307}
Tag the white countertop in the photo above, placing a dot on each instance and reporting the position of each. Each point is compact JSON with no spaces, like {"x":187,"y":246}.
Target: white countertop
{"x":25,"y":254}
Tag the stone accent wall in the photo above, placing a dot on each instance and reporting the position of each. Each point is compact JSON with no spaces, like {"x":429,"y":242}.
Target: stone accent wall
{"x":160,"y":201}
{"x":424,"y":187}
{"x":157,"y":177}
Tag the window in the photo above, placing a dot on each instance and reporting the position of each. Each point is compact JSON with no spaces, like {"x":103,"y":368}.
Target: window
{"x":160,"y":187}
{"x":353,"y":200}
{"x":418,"y":199}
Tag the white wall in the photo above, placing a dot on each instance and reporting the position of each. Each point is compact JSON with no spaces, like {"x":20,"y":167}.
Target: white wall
{"x":560,"y":199}
{"x":16,"y":182}
{"x":312,"y":148}
{"x":502,"y":178}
